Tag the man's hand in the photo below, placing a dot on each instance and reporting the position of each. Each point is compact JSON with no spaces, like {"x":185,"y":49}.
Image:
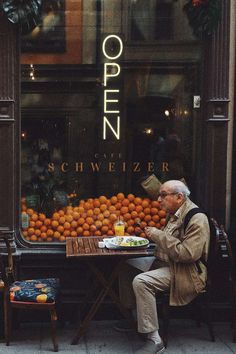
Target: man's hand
{"x":149,"y":231}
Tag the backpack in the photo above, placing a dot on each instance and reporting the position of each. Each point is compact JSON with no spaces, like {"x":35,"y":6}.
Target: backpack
{"x":218,"y":248}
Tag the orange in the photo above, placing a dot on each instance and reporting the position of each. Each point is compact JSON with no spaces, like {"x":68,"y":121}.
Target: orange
{"x":96,"y":211}
{"x":67,"y":225}
{"x":104,"y":229}
{"x":49,"y":232}
{"x":113,"y":199}
{"x":147,"y":211}
{"x":120,"y":196}
{"x":30,"y":212}
{"x":86,"y":233}
{"x":106,"y":213}
{"x":32,"y":224}
{"x":106,"y":222}
{"x":34,"y":217}
{"x":163,"y":221}
{"x":137,"y":230}
{"x":74,"y":224}
{"x":148,"y":217}
{"x":96,"y":203}
{"x":55,"y":224}
{"x":79,"y":230}
{"x":80,"y":209}
{"x":139,"y":208}
{"x":145,"y":203}
{"x":37,"y":233}
{"x":66,"y":233}
{"x":47,"y":221}
{"x":56,"y":216}
{"x":141,"y":215}
{"x":92,"y":229}
{"x":130,"y":230}
{"x":61,"y":212}
{"x":89,"y":220}
{"x":49,"y":239}
{"x":43,"y":228}
{"x":151,"y":223}
{"x":130,"y":222}
{"x":62,"y":239}
{"x":97,"y":233}
{"x":81,"y":221}
{"x":131,"y":206}
{"x":42,"y":217}
{"x":33,"y":238}
{"x":118,"y":205}
{"x":142,"y":234}
{"x":31,"y":231}
{"x":24,"y":233}
{"x":60,"y":229}
{"x":100,"y":216}
{"x":112,"y":208}
{"x":137,"y":201}
{"x":43,"y":235}
{"x":56,"y":235}
{"x":90,"y":212}
{"x":155,"y":217}
{"x":110,"y":233}
{"x":38,"y":223}
{"x":62,"y":220}
{"x":102,"y":199}
{"x":130,"y":197}
{"x":98,"y":224}
{"x":134,"y":214}
{"x":69,"y":218}
{"x":125,"y":202}
{"x":124,"y":210}
{"x":127,"y":216}
{"x":87,"y":205}
{"x":162,"y":213}
{"x":75,"y":215}
{"x":158,"y":225}
{"x":155,"y":204}
{"x":73,"y":234}
{"x":113,"y":217}
{"x":85,"y":226}
{"x":154,"y":211}
{"x":103,"y":207}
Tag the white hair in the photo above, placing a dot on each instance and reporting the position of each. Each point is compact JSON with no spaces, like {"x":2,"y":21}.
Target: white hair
{"x":178,"y":187}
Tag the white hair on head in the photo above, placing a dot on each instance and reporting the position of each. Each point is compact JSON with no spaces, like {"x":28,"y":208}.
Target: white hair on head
{"x":177,"y":186}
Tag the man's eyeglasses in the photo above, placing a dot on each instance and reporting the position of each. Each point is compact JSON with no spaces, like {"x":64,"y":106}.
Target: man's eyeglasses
{"x":162,"y":195}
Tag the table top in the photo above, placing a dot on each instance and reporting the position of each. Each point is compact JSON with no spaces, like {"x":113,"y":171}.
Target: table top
{"x":87,"y":246}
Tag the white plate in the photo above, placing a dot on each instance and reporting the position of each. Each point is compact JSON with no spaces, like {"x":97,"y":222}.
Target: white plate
{"x":128,"y":242}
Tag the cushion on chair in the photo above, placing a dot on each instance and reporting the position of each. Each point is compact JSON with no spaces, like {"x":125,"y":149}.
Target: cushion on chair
{"x":36,"y":290}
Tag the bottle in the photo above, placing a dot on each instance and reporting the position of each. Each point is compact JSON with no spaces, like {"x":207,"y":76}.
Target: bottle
{"x":24,"y":220}
{"x":119,"y":227}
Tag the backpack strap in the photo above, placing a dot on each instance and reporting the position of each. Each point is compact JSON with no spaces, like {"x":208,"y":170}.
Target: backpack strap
{"x":187,"y":218}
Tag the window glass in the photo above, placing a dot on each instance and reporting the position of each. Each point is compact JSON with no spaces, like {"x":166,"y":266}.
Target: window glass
{"x":96,"y":124}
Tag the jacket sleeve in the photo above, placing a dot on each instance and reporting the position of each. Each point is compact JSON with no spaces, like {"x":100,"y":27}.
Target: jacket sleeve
{"x":190,"y":248}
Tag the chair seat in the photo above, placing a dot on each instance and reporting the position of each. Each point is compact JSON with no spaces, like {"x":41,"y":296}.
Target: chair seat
{"x":36,"y":290}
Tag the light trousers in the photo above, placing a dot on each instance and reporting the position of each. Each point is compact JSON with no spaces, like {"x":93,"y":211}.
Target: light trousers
{"x":142,"y":288}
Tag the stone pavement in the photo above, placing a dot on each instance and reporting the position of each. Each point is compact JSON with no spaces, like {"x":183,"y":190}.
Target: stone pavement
{"x":184,"y":338}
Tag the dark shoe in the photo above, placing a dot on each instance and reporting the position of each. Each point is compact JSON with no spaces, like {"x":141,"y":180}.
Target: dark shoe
{"x":124,"y":326}
{"x":151,"y":348}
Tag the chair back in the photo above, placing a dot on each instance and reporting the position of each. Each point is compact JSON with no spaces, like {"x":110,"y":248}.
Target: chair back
{"x":6,"y":263}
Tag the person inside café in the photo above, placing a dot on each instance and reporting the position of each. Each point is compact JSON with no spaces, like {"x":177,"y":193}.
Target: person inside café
{"x":173,"y":268}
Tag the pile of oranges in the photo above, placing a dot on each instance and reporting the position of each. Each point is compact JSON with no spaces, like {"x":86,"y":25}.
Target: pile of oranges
{"x":94,"y":217}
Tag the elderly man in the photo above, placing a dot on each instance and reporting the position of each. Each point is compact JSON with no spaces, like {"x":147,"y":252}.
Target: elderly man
{"x":174,"y":268}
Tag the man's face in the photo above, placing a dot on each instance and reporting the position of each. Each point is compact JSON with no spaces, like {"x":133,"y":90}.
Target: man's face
{"x":170,"y":200}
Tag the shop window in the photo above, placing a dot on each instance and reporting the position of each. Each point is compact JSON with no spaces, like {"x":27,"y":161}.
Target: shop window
{"x":79,"y":172}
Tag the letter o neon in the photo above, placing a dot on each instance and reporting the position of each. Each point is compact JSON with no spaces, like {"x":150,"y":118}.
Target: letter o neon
{"x":104,"y":46}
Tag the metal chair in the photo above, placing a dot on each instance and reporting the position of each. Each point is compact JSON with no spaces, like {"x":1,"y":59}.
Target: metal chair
{"x":36,"y":294}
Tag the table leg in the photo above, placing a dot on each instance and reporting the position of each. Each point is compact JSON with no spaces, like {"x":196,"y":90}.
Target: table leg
{"x":107,"y":284}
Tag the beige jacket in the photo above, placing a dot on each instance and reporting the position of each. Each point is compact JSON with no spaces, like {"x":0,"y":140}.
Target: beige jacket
{"x":183,"y":250}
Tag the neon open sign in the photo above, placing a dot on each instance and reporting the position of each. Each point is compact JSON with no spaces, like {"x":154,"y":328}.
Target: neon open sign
{"x":111,"y":69}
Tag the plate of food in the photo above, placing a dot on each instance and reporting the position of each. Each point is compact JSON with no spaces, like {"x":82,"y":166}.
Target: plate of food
{"x":129,"y":241}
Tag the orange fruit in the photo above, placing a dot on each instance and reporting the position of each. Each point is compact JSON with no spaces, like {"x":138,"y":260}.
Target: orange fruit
{"x":66,"y":233}
{"x":141,"y":215}
{"x":151,"y":223}
{"x":102,"y":199}
{"x":43,"y":235}
{"x":130,"y":197}
{"x":162,"y":221}
{"x":112,"y":208}
{"x":139,"y":208}
{"x":61,"y":212}
{"x":148,"y":217}
{"x":62,"y":239}
{"x":56,"y":216}
{"x":103,"y":207}
{"x":120,"y":196}
{"x":154,"y":211}
{"x":147,"y":211}
{"x":69,"y":218}
{"x":131,"y":206}
{"x":31,"y":231}
{"x":33,"y":238}
{"x":97,"y":233}
{"x":158,"y":225}
{"x":100,"y":216}
{"x":80,"y":209}
{"x":67,"y":225}
{"x":62,"y":220}
{"x":162,"y":213}
{"x":42,"y":217}
{"x":38,"y":223}
{"x":125,"y":202}
{"x":130,"y":222}
{"x":79,"y":230}
{"x":155,"y":204}
{"x":87,"y":205}
{"x":37,"y":233}
{"x":106,"y":222}
{"x":142,"y":234}
{"x":127,"y":216}
{"x":86,"y":233}
{"x":113,"y":199}
{"x":34,"y":217}
{"x":96,"y":211}
{"x":143,"y":224}
{"x":134,"y":214}
{"x":96,"y":203}
{"x":81,"y":221}
{"x":118,"y":205}
{"x":137,"y":201}
{"x":89,"y":220}
{"x":124,"y":210}
{"x":60,"y":229}
{"x":85,"y":226}
{"x":47,"y":221}
{"x":73,"y":234}
{"x":130,"y":230}
{"x":90,"y":212}
{"x":145,"y":203}
{"x":106,"y":213}
{"x":155,"y":217}
{"x":113,"y":217}
{"x":75,"y":215}
{"x":98,"y":224}
{"x":110,"y":233}
{"x":56,"y":235}
{"x":30,"y":212}
{"x":49,"y":232}
{"x":32,"y":224}
{"x":92,"y":229}
{"x":43,"y":228}
{"x":74,"y":224}
{"x":104,"y":229}
{"x":55,"y":224}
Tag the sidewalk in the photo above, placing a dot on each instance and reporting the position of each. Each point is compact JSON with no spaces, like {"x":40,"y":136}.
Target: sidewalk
{"x":185,"y":338}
